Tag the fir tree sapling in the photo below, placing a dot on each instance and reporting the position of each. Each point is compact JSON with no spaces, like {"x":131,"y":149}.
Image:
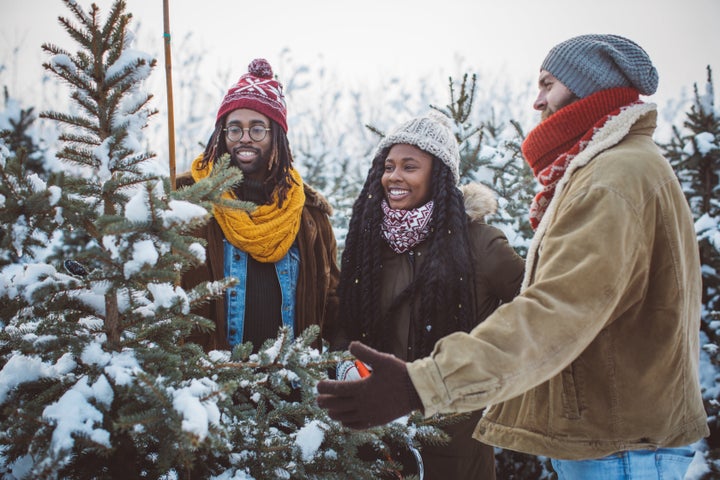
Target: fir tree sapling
{"x":490,"y":154}
{"x":82,"y":355}
{"x":16,"y":126}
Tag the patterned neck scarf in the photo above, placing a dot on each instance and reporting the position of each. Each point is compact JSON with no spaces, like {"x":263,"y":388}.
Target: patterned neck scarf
{"x":266,"y":233}
{"x":552,"y":145}
{"x":405,"y":229}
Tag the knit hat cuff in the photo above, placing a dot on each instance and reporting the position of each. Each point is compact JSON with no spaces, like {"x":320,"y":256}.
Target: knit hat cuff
{"x":259,"y":103}
{"x":430,"y":133}
{"x":257,"y":90}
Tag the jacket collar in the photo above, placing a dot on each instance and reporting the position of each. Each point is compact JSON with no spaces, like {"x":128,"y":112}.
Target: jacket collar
{"x":315,"y":199}
{"x":612,"y":133}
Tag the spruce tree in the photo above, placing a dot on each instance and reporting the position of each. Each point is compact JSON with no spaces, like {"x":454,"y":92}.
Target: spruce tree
{"x":694,"y":152}
{"x":490,"y":154}
{"x":91,"y":356}
{"x":15,"y":132}
{"x":96,"y":377}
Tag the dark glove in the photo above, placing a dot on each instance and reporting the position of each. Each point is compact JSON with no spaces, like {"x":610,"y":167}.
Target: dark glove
{"x":387,"y":394}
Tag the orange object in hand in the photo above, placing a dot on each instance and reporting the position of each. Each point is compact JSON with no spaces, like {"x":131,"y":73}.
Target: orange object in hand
{"x":362,"y":369}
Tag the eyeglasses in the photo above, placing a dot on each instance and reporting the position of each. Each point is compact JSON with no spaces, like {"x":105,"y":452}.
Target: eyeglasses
{"x":257,"y":133}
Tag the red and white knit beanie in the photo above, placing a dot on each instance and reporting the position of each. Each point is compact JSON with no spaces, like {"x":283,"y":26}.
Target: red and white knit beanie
{"x":257,"y":90}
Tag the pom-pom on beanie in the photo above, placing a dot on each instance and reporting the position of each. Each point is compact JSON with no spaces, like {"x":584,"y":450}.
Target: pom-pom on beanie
{"x":589,"y":63}
{"x":431,"y":133}
{"x":257,"y":90}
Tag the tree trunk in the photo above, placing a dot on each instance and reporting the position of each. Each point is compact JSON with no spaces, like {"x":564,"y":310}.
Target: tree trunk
{"x":112,"y":321}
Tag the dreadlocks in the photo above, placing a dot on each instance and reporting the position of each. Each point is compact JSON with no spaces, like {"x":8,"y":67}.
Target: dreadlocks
{"x":441,"y":292}
{"x":279,"y":179}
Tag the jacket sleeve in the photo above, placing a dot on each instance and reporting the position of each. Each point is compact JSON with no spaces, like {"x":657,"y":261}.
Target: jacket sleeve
{"x":586,"y":259}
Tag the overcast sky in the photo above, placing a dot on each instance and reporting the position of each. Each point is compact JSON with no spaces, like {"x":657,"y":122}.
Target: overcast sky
{"x":365,"y":40}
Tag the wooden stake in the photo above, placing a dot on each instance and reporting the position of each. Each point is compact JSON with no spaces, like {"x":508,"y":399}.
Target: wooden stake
{"x":168,"y":81}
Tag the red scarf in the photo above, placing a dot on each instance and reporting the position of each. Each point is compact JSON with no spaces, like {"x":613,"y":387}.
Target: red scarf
{"x":552,"y":145}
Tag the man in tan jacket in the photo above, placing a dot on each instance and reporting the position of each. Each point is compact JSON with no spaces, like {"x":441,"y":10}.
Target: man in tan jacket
{"x":595,"y":363}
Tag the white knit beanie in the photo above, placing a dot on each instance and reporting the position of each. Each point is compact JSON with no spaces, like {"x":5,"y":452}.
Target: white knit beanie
{"x":589,"y":63}
{"x":431,"y":133}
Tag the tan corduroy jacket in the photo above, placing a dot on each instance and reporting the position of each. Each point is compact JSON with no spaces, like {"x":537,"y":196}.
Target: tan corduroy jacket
{"x":316,"y":298}
{"x":599,"y":353}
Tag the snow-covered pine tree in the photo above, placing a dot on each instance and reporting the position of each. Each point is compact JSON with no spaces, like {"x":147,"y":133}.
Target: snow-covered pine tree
{"x":96,"y":378}
{"x":15,"y":128}
{"x":91,"y":361}
{"x":694,"y":152}
{"x":490,"y":154}
{"x":512,"y":179}
{"x":25,"y":198}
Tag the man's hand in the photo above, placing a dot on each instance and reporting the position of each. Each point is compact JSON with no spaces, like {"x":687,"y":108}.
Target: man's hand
{"x":388,"y":393}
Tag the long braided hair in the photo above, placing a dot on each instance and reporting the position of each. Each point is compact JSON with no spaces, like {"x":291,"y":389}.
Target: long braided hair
{"x":281,"y":159}
{"x":442,"y":294}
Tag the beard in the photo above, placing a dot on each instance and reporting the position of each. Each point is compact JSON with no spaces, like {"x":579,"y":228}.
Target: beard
{"x":258,"y":167}
{"x":548,"y":112}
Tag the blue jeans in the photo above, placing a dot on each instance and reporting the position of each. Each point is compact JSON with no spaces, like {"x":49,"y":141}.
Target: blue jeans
{"x":661,"y":464}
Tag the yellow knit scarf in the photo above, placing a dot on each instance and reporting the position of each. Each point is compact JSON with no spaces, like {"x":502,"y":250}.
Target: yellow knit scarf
{"x":266,"y":233}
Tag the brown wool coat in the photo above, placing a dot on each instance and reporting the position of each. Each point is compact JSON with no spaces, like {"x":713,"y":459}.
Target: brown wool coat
{"x":316,"y":299}
{"x":499,"y":272}
{"x":599,"y":353}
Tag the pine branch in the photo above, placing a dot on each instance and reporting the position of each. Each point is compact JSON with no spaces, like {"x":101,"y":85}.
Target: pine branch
{"x":115,"y":29}
{"x":70,"y":120}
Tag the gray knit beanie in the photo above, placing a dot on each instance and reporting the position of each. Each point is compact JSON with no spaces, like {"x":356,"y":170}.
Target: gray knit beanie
{"x":590,"y":63}
{"x":431,"y":133}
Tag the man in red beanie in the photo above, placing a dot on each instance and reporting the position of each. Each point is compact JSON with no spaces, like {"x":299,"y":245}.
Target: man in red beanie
{"x":595,"y":363}
{"x":283,"y":252}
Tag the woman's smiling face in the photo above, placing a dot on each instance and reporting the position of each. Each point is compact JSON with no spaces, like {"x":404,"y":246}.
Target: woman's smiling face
{"x":407,"y":177}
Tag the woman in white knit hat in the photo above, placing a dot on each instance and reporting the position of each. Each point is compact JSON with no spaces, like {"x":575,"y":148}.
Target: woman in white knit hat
{"x":420,"y":262}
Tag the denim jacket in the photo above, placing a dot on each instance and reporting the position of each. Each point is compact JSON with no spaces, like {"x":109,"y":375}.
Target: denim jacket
{"x":235,"y":264}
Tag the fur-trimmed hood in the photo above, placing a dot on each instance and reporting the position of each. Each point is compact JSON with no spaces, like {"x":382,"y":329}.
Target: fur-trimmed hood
{"x":480,"y":201}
